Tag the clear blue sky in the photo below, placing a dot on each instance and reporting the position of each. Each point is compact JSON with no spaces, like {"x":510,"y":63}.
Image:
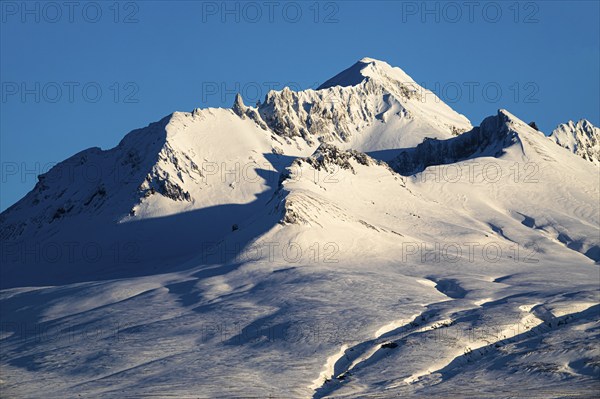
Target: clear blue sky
{"x":150,"y":58}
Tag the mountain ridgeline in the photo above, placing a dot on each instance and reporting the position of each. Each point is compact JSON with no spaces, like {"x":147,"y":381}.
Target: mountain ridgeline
{"x":179,"y":165}
{"x":361,"y":239}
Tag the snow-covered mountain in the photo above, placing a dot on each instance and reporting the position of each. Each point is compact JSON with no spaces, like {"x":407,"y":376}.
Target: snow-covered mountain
{"x":210,"y":164}
{"x":581,"y":138}
{"x":369,"y":106}
{"x":358,"y":239}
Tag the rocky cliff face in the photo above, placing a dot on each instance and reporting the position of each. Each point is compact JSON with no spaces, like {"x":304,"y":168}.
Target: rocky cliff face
{"x":581,"y":138}
{"x":369,"y":98}
{"x":490,"y":139}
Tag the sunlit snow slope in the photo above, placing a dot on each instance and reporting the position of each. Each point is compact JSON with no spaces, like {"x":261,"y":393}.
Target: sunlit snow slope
{"x":260,"y":251}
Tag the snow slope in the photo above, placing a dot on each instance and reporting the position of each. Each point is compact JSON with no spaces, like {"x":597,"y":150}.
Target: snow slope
{"x":464,"y":266}
{"x":191,"y":174}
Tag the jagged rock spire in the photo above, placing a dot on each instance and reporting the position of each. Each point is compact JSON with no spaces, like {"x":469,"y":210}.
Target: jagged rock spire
{"x":238,"y":105}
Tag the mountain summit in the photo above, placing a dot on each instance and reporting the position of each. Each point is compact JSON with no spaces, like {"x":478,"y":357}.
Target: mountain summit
{"x":368,"y":69}
{"x":371,"y":106}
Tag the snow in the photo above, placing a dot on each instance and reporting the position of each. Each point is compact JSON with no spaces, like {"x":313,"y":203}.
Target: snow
{"x":581,"y":138}
{"x":367,"y":68}
{"x":466,"y":263}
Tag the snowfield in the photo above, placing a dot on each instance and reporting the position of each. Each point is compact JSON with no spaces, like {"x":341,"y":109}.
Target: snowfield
{"x":358,"y":240}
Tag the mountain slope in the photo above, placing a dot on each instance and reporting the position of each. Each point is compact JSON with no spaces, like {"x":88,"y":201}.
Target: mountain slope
{"x":206,"y":168}
{"x":260,"y":253}
{"x":581,"y":138}
{"x":512,"y":167}
{"x":356,"y":287}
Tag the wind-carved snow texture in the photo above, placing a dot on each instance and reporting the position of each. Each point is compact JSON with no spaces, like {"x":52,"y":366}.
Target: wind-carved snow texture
{"x":358,"y":240}
{"x":581,"y":138}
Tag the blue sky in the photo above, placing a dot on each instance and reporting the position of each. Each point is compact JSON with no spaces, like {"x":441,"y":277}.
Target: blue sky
{"x":84,"y":75}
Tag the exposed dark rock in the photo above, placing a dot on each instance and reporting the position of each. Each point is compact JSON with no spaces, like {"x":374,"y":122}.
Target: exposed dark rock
{"x":489,"y":139}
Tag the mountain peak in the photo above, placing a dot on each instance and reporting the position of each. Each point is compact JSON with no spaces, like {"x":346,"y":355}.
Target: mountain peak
{"x":238,"y":105}
{"x":581,"y":138}
{"x":367,"y":69}
{"x":368,"y":60}
{"x":369,"y":106}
